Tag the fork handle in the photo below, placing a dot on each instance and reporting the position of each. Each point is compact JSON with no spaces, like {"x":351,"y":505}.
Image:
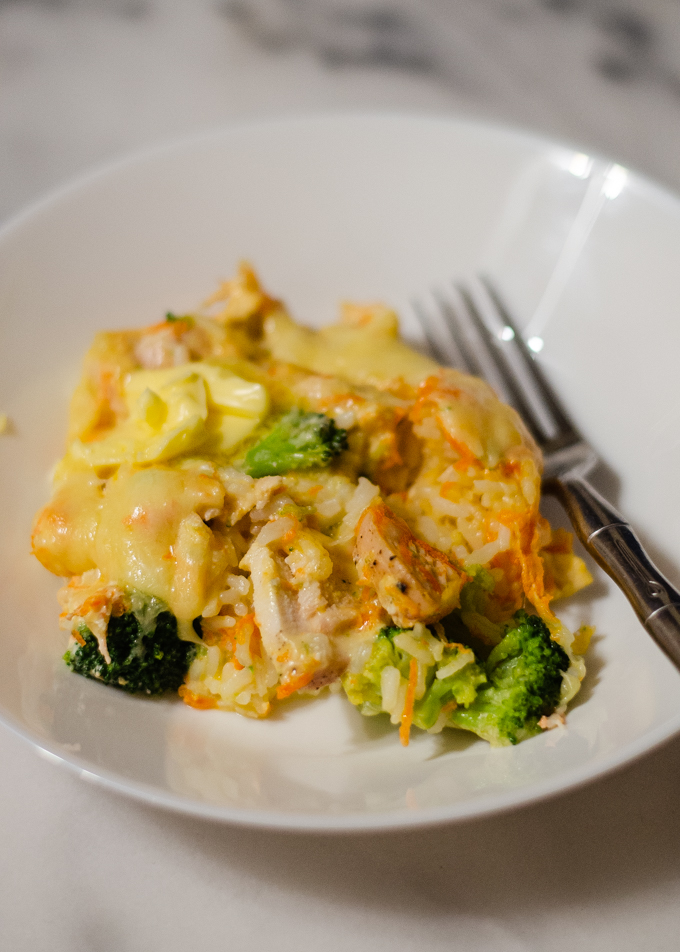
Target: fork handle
{"x":614,"y":545}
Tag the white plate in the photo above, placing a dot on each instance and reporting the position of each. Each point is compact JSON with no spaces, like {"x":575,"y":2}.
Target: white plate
{"x":363,"y":208}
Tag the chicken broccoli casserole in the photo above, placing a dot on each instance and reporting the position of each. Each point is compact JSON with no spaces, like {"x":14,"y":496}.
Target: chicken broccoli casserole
{"x":250,"y":510}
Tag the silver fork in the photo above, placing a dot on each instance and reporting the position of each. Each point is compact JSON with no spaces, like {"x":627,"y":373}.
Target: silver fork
{"x":470,"y":328}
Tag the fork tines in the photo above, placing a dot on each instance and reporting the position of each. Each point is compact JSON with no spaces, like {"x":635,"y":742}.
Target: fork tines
{"x":469,"y":327}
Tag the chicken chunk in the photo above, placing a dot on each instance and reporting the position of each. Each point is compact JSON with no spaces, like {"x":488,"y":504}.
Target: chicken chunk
{"x":414,"y":581}
{"x":289,"y":611}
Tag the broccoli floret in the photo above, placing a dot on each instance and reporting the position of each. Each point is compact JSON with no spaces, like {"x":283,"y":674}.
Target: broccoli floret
{"x":524,"y":676}
{"x":144,"y":660}
{"x":298,"y":441}
{"x":501,"y":700}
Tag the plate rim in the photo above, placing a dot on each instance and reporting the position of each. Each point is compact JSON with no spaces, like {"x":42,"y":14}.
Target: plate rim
{"x":480,"y":808}
{"x":61,"y":191}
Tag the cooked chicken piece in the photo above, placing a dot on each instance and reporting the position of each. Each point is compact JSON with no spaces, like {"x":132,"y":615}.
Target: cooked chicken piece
{"x":414,"y":581}
{"x":290,"y":613}
{"x":243,"y":493}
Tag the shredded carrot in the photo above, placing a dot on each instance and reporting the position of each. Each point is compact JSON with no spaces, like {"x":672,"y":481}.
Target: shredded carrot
{"x":425,"y":391}
{"x":526,"y":543}
{"x":243,"y":628}
{"x":199,"y":701}
{"x":93,"y":604}
{"x":246,"y":632}
{"x":407,"y":715}
{"x":467,"y":457}
{"x":431,"y":392}
{"x":79,"y":638}
{"x":290,"y":687}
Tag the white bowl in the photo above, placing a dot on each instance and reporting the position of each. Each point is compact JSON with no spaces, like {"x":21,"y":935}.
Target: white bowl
{"x":329,"y":209}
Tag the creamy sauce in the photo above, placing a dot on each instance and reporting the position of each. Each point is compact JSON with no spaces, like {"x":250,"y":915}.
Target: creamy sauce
{"x":371,"y":352}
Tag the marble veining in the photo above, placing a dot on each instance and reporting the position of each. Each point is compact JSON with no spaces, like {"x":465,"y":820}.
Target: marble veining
{"x":388,"y":33}
{"x":82,"y":81}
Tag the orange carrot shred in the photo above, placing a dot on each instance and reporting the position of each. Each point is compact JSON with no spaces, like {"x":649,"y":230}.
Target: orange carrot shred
{"x":290,"y":687}
{"x":199,"y":701}
{"x":407,"y":716}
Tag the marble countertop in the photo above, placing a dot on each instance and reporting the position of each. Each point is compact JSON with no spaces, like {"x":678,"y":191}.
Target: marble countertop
{"x":83,"y":870}
{"x":82,"y":81}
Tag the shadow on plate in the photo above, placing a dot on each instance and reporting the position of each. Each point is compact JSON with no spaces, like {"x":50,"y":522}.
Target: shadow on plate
{"x":589,"y":847}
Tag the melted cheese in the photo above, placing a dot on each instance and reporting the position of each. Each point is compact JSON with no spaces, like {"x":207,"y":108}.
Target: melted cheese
{"x":64,"y":531}
{"x":151,"y":536}
{"x":177,"y":410}
{"x":361,"y":352}
{"x":149,"y":523}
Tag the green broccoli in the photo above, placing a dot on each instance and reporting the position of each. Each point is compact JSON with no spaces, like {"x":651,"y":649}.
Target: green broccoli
{"x":524,"y":676}
{"x":298,"y":441}
{"x":501,"y":700}
{"x":364,"y":687}
{"x":147,"y":657}
{"x":456,"y":690}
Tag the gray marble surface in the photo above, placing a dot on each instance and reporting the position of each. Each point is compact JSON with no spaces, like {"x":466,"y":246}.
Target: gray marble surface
{"x":82,"y":870}
{"x":82,"y":81}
